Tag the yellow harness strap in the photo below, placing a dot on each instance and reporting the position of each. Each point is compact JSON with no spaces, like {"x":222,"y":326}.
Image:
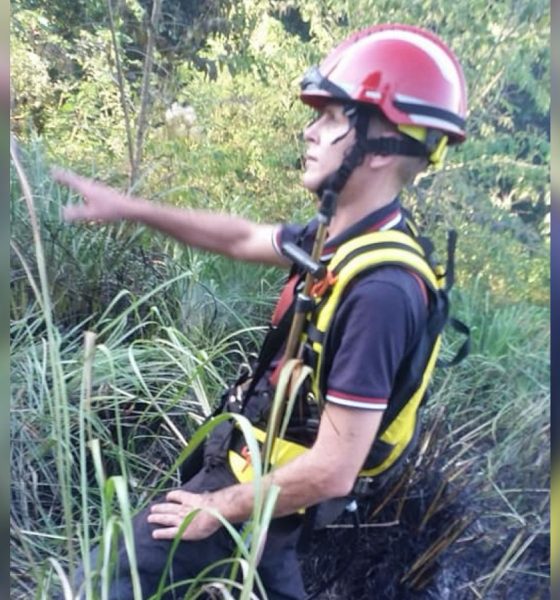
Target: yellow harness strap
{"x":363,"y":253}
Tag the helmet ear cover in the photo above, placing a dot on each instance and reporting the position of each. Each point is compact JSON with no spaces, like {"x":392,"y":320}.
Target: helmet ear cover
{"x":435,"y":141}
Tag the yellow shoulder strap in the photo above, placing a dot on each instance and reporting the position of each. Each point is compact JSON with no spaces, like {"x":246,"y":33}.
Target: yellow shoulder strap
{"x":363,"y":253}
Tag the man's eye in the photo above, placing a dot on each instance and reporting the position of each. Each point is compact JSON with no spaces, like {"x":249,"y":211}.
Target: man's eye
{"x":314,"y":120}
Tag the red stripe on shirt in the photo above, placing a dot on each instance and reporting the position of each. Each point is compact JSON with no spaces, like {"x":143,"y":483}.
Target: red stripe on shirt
{"x":356,"y":398}
{"x":422,"y":285}
{"x":386,"y":220}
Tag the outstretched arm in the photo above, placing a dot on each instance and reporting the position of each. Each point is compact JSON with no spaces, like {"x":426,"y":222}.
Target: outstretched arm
{"x":224,"y":234}
{"x":327,"y":470}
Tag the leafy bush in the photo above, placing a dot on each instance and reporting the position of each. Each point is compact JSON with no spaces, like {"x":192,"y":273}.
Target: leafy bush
{"x":172,"y":324}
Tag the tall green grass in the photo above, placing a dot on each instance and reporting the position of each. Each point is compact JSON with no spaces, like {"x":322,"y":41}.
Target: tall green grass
{"x":99,"y":419}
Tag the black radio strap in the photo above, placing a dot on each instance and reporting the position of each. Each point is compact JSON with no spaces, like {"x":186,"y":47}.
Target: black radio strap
{"x":273,"y":342}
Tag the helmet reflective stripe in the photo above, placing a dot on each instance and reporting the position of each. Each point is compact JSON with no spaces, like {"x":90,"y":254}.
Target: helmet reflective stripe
{"x":422,"y":113}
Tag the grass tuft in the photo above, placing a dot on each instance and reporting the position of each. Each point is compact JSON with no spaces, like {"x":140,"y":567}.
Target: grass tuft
{"x":121,"y":348}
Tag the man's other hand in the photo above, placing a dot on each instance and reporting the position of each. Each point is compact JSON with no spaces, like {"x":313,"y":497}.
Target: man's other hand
{"x":172,"y":513}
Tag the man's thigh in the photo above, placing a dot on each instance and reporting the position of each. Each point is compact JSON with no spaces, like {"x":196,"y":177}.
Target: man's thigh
{"x":279,"y":566}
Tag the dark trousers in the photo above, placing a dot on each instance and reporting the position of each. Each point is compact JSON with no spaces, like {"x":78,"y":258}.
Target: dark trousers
{"x":278,"y":568}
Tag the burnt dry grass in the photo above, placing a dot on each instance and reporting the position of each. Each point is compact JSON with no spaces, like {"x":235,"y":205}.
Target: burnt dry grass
{"x":466,"y":517}
{"x":436,"y":529}
{"x":462,"y":519}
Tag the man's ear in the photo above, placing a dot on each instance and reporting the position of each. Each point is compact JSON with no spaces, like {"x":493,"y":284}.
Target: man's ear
{"x":380,"y":161}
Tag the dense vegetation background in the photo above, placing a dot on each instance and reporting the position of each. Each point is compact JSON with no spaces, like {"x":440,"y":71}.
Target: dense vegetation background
{"x":195,"y":103}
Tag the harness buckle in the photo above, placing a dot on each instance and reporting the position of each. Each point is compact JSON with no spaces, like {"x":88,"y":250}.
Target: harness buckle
{"x":362,"y":486}
{"x":323,"y":285}
{"x":247,"y":456}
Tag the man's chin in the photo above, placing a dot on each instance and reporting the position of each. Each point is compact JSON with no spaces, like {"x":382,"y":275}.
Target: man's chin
{"x":310,"y":184}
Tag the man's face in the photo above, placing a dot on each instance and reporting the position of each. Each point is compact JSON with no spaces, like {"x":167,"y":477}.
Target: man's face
{"x":323,"y":157}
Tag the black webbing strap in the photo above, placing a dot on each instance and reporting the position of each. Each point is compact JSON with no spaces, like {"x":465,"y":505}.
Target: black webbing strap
{"x":450,"y":267}
{"x":337,"y":180}
{"x":465,"y":348}
{"x":358,"y":120}
{"x":273,"y":342}
{"x":314,"y":334}
{"x":393,"y":145}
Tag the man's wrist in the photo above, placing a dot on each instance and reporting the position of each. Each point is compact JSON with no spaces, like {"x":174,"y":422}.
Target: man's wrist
{"x":136,"y":209}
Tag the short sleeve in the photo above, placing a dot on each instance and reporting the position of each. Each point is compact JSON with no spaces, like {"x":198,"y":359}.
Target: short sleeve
{"x":302,"y":235}
{"x":374,"y":327}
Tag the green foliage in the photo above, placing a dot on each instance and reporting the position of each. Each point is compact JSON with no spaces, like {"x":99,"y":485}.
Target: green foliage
{"x":104,"y":271}
{"x":143,"y":396}
{"x":67,"y":91}
{"x":250,"y":169}
{"x":496,"y":250}
{"x":112,"y":408}
{"x":238,"y":65}
{"x":173,"y":323}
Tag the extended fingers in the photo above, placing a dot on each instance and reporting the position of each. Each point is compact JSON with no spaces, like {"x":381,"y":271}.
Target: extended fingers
{"x":165,"y":534}
{"x":77,"y":212}
{"x":169,"y":519}
{"x":171,"y":507}
{"x":171,"y":516}
{"x":181,"y":496}
{"x":70,"y":179}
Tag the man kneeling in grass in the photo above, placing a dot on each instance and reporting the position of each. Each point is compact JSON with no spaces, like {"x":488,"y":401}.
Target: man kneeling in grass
{"x":387,"y":100}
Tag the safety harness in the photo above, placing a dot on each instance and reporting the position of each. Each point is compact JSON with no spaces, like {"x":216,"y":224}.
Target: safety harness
{"x":252,"y":394}
{"x":352,"y":259}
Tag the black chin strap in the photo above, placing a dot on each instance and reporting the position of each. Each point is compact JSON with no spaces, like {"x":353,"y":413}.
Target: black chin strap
{"x":337,"y":180}
{"x":392,"y":145}
{"x":359,"y":120}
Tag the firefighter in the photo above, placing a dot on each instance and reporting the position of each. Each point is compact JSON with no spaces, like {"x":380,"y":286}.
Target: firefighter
{"x":389,"y":100}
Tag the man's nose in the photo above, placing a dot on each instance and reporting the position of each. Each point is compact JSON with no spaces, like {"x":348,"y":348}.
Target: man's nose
{"x":310,"y":132}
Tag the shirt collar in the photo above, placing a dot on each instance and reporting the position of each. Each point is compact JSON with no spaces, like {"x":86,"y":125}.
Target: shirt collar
{"x":385,"y":217}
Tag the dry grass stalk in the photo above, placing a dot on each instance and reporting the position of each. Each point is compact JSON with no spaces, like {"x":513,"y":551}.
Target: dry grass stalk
{"x":121,"y":84}
{"x":402,"y":482}
{"x":424,"y":562}
{"x":404,"y":496}
{"x":142,"y":121}
{"x":513,"y":553}
{"x":434,"y":504}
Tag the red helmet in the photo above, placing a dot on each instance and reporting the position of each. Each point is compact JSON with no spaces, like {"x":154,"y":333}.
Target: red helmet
{"x":405,"y":71}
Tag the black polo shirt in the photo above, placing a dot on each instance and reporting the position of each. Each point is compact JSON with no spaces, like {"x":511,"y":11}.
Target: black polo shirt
{"x":376,"y":323}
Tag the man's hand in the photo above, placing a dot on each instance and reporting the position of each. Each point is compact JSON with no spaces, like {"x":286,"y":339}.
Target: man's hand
{"x":229,"y":235}
{"x":171,"y":514}
{"x":101,"y":202}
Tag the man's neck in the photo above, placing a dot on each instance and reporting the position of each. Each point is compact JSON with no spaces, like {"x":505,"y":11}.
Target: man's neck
{"x":353,"y":205}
